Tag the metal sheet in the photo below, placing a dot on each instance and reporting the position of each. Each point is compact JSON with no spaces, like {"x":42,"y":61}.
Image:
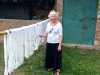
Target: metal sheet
{"x":79,"y":21}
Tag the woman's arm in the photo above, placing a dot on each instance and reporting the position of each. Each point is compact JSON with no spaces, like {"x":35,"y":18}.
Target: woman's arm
{"x":60,"y":43}
{"x":60,"y":37}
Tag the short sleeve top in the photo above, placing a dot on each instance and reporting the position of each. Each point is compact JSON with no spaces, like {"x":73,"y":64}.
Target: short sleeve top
{"x":54,"y":32}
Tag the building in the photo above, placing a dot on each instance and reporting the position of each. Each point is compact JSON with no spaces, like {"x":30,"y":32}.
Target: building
{"x":81,"y":21}
{"x":81,"y":18}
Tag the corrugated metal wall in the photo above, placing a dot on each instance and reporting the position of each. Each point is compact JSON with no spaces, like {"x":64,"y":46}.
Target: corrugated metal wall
{"x":79,"y":21}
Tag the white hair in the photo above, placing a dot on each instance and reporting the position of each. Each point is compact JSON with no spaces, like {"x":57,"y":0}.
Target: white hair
{"x":53,"y":13}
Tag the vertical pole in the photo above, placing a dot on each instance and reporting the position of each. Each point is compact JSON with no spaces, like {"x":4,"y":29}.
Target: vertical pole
{"x":59,"y":6}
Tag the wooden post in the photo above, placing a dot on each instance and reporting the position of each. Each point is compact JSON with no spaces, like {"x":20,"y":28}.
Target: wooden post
{"x":59,"y":6}
{"x":97,"y":35}
{"x":2,"y":33}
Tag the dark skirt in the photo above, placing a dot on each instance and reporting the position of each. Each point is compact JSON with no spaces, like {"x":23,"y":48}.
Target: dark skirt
{"x":53,"y":56}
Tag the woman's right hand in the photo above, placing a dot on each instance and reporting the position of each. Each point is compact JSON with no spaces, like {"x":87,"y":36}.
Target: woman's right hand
{"x":59,"y":47}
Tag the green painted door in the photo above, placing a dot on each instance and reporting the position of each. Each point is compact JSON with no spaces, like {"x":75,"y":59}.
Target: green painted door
{"x":79,"y":21}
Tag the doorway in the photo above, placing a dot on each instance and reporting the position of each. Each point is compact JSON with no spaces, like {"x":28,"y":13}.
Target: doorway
{"x":79,"y":20}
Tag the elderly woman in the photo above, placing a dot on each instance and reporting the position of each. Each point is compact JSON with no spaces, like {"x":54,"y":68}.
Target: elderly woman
{"x":53,"y":35}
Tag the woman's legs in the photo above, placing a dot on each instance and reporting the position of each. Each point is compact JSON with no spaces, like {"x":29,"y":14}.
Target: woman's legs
{"x":59,"y":63}
{"x":53,"y":58}
{"x":49,"y":57}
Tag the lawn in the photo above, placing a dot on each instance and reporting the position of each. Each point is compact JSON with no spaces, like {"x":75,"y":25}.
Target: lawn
{"x":75,"y":62}
{"x":1,"y":59}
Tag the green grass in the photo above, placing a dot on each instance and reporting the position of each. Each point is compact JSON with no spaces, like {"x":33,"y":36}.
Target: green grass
{"x":1,"y":59}
{"x":75,"y":62}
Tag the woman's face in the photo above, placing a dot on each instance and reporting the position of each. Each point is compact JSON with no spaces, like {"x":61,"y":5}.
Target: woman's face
{"x":53,"y":19}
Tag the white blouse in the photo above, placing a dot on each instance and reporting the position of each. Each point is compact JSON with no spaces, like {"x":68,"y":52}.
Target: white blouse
{"x":54,"y":33}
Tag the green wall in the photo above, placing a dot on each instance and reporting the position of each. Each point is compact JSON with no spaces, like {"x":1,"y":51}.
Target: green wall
{"x":79,"y":21}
